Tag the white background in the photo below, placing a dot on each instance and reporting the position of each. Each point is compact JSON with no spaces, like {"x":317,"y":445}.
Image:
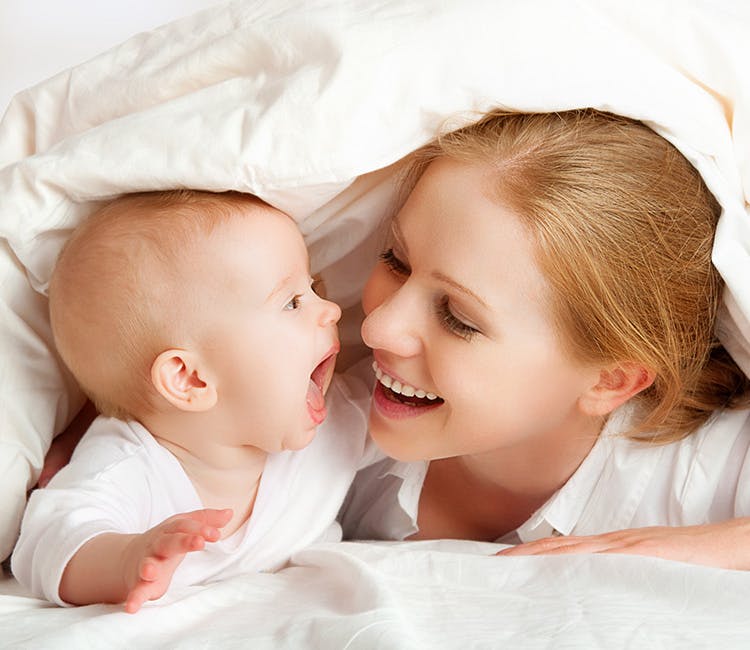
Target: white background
{"x":39,"y":38}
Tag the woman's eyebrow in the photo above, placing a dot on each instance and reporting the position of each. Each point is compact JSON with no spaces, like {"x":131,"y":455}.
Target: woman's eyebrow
{"x":399,"y":237}
{"x":459,"y":287}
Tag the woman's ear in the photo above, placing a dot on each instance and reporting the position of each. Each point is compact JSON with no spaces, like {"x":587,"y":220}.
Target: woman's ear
{"x":179,"y":378}
{"x":616,"y":386}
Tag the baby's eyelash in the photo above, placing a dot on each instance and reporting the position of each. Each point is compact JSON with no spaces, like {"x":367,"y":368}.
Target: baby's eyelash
{"x":451,"y":322}
{"x":388,"y":257}
{"x":294,"y":302}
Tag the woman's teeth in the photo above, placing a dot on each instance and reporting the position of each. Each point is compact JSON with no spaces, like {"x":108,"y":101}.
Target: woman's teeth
{"x":397,"y":387}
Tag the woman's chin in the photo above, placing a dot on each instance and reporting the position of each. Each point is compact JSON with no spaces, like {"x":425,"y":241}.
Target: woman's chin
{"x":397,"y":445}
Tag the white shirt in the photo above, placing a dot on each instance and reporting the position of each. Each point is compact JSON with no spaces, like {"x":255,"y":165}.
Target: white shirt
{"x":620,"y":484}
{"x":121,"y":480}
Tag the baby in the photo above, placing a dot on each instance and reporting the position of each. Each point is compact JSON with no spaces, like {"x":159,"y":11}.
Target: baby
{"x":190,"y":320}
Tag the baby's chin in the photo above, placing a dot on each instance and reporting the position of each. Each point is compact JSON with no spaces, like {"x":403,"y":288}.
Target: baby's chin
{"x":298,"y":442}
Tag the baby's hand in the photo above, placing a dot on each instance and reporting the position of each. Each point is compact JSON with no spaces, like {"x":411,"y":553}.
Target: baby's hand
{"x":152,"y":557}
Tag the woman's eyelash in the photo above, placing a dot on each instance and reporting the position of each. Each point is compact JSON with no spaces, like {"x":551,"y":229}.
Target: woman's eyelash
{"x":442,"y":308}
{"x":388,"y":257}
{"x":451,"y":322}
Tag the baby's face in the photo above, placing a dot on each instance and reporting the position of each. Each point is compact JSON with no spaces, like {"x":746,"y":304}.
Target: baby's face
{"x":271,"y":341}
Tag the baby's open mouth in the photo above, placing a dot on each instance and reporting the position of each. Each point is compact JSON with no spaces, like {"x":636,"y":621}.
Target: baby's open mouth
{"x":323,"y":372}
{"x":395,"y":391}
{"x":320,"y":379}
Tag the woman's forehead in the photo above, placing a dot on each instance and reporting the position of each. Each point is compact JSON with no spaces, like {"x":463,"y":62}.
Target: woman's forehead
{"x":455,"y":234}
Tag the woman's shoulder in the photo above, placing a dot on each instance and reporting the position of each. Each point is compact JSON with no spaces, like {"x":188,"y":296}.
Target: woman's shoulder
{"x":698,"y":478}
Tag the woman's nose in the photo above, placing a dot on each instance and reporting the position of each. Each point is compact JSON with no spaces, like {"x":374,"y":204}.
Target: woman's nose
{"x":393,"y":326}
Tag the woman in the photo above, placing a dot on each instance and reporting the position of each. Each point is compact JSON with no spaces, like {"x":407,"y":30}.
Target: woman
{"x":543,"y":334}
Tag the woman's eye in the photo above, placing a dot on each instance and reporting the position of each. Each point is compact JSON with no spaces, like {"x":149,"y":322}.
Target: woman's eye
{"x":451,"y":322}
{"x":293,"y":304}
{"x":388,"y":257}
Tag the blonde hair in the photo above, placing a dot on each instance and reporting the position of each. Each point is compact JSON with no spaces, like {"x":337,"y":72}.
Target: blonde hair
{"x":623,"y":226}
{"x":120,"y":292}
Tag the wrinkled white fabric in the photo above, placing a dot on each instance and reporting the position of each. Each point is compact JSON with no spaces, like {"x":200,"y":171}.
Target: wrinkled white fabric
{"x":450,"y":595}
{"x":311,"y":106}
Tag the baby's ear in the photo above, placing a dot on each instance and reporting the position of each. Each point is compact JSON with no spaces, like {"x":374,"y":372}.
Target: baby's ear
{"x":180,"y":378}
{"x":617,"y":384}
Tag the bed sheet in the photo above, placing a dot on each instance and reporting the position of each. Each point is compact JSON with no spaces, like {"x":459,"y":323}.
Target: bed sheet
{"x":415,"y":595}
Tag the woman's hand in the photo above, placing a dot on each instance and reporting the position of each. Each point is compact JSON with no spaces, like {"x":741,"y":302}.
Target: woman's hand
{"x":724,"y":545}
{"x":63,"y":444}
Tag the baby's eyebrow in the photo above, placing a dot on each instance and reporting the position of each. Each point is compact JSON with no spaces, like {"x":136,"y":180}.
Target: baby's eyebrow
{"x":279,"y":287}
{"x":459,"y":287}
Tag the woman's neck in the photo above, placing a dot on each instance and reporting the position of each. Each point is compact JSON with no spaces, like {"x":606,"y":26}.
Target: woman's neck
{"x":485,"y":496}
{"x":533,"y":470}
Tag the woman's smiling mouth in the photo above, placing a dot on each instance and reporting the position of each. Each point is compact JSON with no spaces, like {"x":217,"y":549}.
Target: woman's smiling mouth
{"x":396,"y":399}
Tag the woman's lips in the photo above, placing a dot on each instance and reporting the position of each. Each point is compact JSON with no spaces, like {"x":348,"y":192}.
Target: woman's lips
{"x":389,"y":405}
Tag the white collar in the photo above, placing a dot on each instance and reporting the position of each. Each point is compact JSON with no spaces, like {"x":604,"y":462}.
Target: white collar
{"x":615,"y":465}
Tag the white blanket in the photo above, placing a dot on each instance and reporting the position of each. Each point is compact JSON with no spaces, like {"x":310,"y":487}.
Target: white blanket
{"x":417,"y":596}
{"x":312,"y":105}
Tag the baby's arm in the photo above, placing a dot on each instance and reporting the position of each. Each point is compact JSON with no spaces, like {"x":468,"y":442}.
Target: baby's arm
{"x":116,"y":568}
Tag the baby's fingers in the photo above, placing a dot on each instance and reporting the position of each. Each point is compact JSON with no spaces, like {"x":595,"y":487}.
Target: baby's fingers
{"x":137,"y":596}
{"x":210,"y":516}
{"x":144,"y":590}
{"x":177,"y":543}
{"x":200,"y":522}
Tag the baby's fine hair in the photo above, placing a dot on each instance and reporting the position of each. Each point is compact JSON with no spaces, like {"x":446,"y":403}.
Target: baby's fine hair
{"x":120,"y":293}
{"x":623,"y":227}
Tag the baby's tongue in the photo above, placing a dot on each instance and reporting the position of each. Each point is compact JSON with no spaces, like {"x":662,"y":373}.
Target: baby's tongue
{"x":315,"y":399}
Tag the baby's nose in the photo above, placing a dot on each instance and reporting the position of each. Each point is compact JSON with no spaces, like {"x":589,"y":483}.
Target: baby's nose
{"x":330,"y":314}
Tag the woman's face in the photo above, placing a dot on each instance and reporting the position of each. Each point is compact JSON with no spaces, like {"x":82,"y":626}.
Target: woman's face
{"x":457,"y":309}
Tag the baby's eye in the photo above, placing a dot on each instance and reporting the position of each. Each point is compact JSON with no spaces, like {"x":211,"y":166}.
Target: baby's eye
{"x":293,"y":304}
{"x":388,"y":257}
{"x":451,"y":322}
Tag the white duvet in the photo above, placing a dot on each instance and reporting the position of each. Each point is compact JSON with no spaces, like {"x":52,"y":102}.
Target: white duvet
{"x":417,"y":596}
{"x":312,"y":105}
